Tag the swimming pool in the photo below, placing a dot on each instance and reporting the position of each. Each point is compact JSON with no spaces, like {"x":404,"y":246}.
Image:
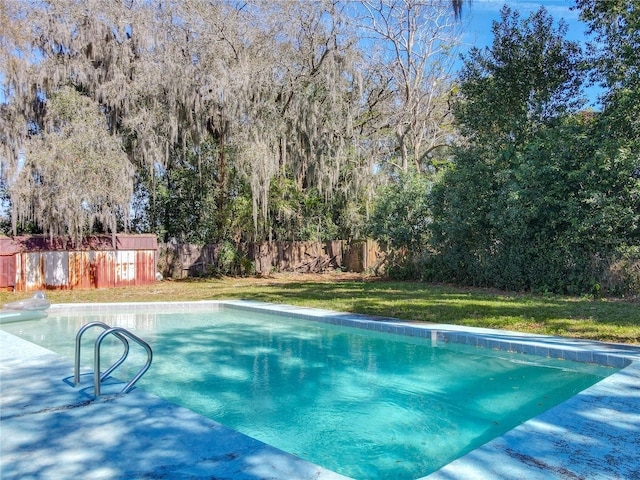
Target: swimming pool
{"x":366,"y":404}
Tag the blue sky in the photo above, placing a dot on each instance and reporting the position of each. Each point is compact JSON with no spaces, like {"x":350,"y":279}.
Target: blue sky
{"x":478,"y":16}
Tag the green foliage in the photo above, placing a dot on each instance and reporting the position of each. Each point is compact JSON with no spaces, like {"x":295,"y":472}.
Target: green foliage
{"x":623,"y":272}
{"x":231,"y":262}
{"x":616,"y":54}
{"x":401,"y":216}
{"x":299,"y":214}
{"x":304,"y":214}
{"x":541,"y":198}
{"x":188,"y":200}
{"x":529,"y":76}
{"x":400,"y":223}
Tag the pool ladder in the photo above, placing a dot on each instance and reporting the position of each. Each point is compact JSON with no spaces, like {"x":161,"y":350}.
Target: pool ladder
{"x":121,"y":334}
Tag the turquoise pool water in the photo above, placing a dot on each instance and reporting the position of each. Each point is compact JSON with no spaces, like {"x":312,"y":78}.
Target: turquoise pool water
{"x":365,"y":404}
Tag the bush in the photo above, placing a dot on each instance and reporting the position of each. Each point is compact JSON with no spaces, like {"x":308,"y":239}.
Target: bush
{"x":400,"y":224}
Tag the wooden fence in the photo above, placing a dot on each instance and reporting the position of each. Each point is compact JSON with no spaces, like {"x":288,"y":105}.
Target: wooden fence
{"x":37,"y":262}
{"x":183,"y":260}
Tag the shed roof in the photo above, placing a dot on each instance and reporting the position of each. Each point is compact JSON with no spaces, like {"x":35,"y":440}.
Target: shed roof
{"x":38,"y":243}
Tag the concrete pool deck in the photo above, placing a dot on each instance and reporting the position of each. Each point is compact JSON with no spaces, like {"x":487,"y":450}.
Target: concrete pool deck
{"x":51,"y":430}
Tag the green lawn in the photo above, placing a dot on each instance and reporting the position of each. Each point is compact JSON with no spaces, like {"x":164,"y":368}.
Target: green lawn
{"x":610,"y":320}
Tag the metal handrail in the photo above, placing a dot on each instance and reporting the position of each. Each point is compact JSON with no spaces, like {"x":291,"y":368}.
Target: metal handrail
{"x":84,"y":328}
{"x":96,"y":358}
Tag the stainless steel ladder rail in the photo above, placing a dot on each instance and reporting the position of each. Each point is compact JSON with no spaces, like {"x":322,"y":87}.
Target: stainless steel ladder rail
{"x":104,"y":326}
{"x":118,"y":331}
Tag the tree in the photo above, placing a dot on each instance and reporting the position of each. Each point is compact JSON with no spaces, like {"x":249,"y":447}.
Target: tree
{"x":169,"y":76}
{"x":283,"y":92}
{"x":187,"y":200}
{"x":75,"y":173}
{"x":535,"y":199}
{"x":400,"y":222}
{"x":302,"y":128}
{"x":15,"y":54}
{"x":616,"y":52}
{"x":415,"y":41}
{"x":529,"y":76}
{"x":14,"y":43}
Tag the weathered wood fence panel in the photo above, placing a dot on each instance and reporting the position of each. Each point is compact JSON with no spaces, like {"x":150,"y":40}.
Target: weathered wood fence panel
{"x":362,"y":255}
{"x":296,"y":256}
{"x":186,"y":260}
{"x":183,"y":260}
{"x":37,"y":262}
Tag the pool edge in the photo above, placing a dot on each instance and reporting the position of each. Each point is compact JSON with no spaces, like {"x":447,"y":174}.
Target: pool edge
{"x":51,"y":430}
{"x":564,"y":442}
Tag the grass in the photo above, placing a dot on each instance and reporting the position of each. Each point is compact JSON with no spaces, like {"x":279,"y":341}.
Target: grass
{"x":610,"y":320}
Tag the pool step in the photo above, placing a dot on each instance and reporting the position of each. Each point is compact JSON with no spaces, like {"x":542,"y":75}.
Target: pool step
{"x":124,"y":336}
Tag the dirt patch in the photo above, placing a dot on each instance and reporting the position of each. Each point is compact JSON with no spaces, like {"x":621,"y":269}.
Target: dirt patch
{"x":328,"y":276}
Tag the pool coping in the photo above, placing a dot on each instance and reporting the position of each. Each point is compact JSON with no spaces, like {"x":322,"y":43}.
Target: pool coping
{"x":595,"y":434}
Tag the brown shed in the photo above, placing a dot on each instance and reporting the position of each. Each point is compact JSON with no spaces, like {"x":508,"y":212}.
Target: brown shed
{"x":37,"y":262}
